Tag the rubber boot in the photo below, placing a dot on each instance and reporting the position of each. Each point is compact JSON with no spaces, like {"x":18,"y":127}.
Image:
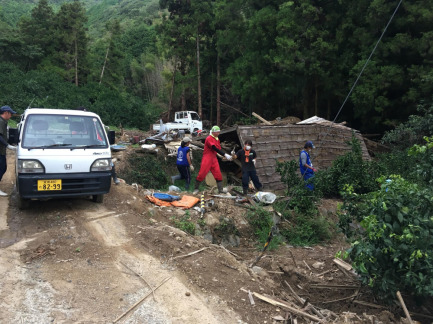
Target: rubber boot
{"x":220,"y":187}
{"x":196,"y":186}
{"x":245,"y":191}
{"x":176,"y":177}
{"x":114,"y":176}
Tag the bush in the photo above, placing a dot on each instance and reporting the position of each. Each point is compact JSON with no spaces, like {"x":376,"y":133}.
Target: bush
{"x":393,"y":250}
{"x":412,"y":132}
{"x":422,"y":161}
{"x":185,"y":223}
{"x":306,"y":226}
{"x":349,"y":169}
{"x":300,"y":199}
{"x":146,"y":170}
{"x":262,"y":223}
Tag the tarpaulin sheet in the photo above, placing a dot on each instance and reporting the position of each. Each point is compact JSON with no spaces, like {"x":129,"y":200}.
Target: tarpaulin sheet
{"x":185,"y":202}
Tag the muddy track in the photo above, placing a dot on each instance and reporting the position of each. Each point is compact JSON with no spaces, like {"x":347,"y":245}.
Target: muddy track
{"x":74,"y":261}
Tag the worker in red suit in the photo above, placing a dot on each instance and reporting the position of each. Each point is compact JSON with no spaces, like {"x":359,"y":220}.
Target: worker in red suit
{"x":209,"y":162}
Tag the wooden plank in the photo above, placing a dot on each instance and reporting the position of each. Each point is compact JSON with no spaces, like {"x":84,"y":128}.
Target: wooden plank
{"x":261,"y":118}
{"x":286,"y":306}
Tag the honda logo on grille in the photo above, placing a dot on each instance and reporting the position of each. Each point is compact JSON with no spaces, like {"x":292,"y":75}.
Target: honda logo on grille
{"x":68,"y":166}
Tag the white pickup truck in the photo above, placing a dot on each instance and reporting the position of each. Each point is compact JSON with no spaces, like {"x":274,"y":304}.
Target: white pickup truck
{"x":183,"y":120}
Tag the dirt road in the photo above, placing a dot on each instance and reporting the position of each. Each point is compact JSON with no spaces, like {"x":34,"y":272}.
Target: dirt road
{"x":75,"y":261}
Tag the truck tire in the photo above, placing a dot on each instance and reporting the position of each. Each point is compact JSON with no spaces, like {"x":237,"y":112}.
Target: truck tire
{"x":19,"y":201}
{"x":23,"y":203}
{"x":98,"y":198}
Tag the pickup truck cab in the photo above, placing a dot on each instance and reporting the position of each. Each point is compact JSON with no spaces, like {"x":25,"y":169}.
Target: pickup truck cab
{"x":61,"y":154}
{"x":183,"y":120}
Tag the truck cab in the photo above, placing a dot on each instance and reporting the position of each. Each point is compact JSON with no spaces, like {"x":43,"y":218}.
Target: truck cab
{"x":190,"y":118}
{"x":62,"y":154}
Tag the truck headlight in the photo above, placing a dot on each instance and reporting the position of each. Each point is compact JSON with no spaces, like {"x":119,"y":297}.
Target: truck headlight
{"x":101,"y":165}
{"x":30,"y":166}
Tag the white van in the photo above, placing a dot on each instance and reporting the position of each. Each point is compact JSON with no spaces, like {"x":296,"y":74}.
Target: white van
{"x":61,"y":154}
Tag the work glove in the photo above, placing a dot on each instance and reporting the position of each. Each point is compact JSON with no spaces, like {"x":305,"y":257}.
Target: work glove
{"x":10,"y":147}
{"x":228,"y":157}
{"x":314,"y":170}
{"x":254,"y":162}
{"x":191,"y":167}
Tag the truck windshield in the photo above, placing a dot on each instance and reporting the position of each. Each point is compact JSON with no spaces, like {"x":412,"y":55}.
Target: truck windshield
{"x":63,"y":131}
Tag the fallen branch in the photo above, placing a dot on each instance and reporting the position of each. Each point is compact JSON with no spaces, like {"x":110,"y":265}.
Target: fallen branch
{"x":341,"y":299}
{"x":324,"y":272}
{"x":343,"y":264}
{"x":284,"y":305}
{"x":250,"y":296}
{"x":228,"y":251}
{"x":403,"y":305}
{"x":342,"y":269}
{"x":323,"y":286}
{"x":189,"y":254}
{"x":137,"y":274}
{"x":293,"y":258}
{"x":302,"y":301}
{"x":139,"y":302}
{"x":261,"y":118}
{"x":277,"y":272}
{"x":364,"y":303}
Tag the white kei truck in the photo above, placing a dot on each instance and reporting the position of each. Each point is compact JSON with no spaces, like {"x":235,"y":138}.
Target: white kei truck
{"x":61,"y":154}
{"x":183,"y":120}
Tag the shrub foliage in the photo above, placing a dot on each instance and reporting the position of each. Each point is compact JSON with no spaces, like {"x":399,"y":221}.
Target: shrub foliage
{"x":393,"y":250}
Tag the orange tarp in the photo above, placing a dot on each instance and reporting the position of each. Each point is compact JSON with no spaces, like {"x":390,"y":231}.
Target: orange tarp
{"x":158,"y":202}
{"x":185,"y":202}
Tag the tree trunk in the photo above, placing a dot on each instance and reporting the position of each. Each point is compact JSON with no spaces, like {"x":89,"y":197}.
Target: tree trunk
{"x":328,"y":114}
{"x":76,"y":62}
{"x":170,"y":103}
{"x":316,"y":98}
{"x":200,"y":112}
{"x":218,"y":89}
{"x":305,"y":101}
{"x":183,"y":99}
{"x":105,"y":62}
{"x":211,"y":96}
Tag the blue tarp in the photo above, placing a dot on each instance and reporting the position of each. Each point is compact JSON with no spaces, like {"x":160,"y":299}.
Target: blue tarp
{"x":165,"y":197}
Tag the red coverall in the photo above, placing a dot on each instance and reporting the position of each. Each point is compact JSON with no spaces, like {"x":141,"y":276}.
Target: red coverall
{"x":209,"y":161}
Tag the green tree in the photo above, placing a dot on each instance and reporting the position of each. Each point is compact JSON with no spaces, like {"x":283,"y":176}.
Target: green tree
{"x":72,"y":41}
{"x":112,"y":70}
{"x":37,"y":32}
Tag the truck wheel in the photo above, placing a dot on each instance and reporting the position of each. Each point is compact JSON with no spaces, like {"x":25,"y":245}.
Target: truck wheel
{"x":98,"y":198}
{"x":23,"y":203}
{"x":19,"y":201}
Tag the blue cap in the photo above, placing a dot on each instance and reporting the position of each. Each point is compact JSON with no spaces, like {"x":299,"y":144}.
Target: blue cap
{"x":7,"y":108}
{"x":309,"y":144}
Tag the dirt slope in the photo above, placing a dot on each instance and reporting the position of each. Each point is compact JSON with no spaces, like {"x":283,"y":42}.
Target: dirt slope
{"x":74,"y":261}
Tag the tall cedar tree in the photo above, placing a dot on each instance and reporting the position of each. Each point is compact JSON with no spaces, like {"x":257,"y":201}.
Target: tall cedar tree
{"x":72,"y":41}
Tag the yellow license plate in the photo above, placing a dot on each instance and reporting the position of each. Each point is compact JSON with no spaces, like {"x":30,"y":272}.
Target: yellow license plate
{"x":45,"y":185}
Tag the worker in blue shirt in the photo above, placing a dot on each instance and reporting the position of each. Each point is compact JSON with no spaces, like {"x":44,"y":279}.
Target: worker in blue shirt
{"x":306,"y":166}
{"x":183,"y":163}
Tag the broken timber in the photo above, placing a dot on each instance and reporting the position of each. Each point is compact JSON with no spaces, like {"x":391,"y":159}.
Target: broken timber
{"x":285,"y":306}
{"x":261,"y":119}
{"x":189,"y":254}
{"x":140,"y":301}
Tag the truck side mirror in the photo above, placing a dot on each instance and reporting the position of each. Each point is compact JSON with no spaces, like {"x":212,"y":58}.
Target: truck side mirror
{"x":111,"y":137}
{"x":13,"y":136}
